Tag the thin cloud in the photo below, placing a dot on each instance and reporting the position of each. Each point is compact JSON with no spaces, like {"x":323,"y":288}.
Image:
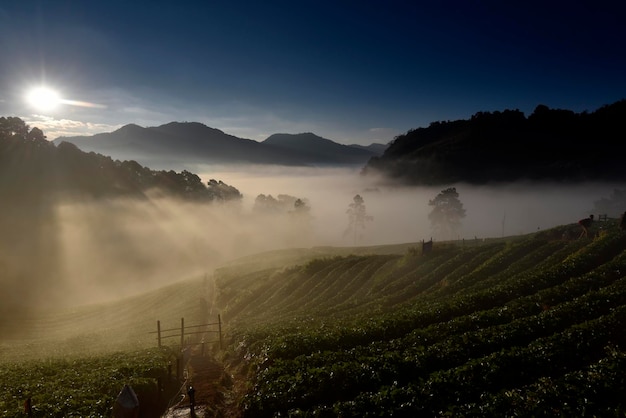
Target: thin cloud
{"x":54,"y":128}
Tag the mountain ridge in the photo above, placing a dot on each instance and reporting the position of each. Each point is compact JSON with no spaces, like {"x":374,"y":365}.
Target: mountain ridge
{"x":504,"y":146}
{"x":320,"y":148}
{"x":193,"y":142}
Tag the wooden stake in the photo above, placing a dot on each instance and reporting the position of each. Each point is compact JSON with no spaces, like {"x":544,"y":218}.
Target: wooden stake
{"x":182,"y":333}
{"x":219,"y":324}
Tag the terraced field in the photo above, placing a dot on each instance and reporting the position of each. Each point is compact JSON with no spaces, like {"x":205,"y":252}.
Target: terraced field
{"x":531,"y":326}
{"x":520,"y":326}
{"x":74,"y":362}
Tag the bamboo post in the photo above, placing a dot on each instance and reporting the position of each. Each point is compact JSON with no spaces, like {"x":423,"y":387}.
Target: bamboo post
{"x":219,"y":325}
{"x":182,"y":333}
{"x":159,"y":332}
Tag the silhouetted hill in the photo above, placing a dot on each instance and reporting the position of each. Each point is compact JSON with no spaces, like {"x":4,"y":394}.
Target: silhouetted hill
{"x":33,"y":168}
{"x":318,"y":149}
{"x":550,"y":144}
{"x":38,"y":178}
{"x":179,"y":143}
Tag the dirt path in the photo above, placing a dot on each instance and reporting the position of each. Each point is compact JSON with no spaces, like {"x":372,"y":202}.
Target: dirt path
{"x":209,"y":381}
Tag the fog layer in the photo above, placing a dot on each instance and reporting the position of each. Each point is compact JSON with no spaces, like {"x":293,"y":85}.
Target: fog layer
{"x":105,"y":249}
{"x":400,"y":214}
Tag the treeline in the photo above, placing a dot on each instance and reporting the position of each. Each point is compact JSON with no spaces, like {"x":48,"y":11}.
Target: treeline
{"x":33,"y":168}
{"x":36,"y":177}
{"x":549,"y":144}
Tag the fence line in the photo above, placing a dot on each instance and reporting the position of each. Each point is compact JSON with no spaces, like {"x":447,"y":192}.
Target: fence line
{"x":180,"y":332}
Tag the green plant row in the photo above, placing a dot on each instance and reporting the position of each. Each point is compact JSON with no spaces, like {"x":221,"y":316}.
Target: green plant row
{"x":458,"y":323}
{"x":366,"y":367}
{"x":80,"y":386}
{"x":363,"y":329}
{"x":441,"y":393}
{"x":515,"y":259}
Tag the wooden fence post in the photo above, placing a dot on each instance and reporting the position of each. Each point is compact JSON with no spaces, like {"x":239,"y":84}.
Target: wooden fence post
{"x":159,"y":332}
{"x":219,"y":325}
{"x":202,"y":329}
{"x":182,"y":333}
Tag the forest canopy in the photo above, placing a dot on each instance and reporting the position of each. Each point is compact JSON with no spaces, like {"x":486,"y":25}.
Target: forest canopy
{"x":502,"y":146}
{"x":32,"y":167}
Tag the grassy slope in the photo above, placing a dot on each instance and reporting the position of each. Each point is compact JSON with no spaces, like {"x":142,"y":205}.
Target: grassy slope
{"x":74,"y":362}
{"x":521,"y":325}
{"x":528,"y":326}
{"x":107,"y":327}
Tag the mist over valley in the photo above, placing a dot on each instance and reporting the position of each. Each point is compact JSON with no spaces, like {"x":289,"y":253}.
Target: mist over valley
{"x":312,"y":209}
{"x":117,"y":228}
{"x":115,"y":248}
{"x":96,"y":250}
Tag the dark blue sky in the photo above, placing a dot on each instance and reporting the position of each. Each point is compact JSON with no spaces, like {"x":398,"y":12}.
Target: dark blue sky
{"x":351,"y":71}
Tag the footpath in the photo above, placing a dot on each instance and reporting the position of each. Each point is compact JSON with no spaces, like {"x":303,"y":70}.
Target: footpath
{"x":208,"y":379}
{"x":211,"y":383}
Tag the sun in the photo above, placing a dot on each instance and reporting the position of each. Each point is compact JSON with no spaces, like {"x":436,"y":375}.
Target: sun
{"x":43,"y":98}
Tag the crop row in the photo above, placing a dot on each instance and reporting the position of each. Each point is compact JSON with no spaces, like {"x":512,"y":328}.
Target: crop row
{"x":399,"y":362}
{"x":429,"y":384}
{"x":450,"y":333}
{"x":81,"y":386}
{"x":364,"y":328}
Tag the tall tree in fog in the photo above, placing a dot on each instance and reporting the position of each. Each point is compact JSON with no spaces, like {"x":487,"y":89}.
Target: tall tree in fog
{"x":447,"y":213}
{"x":300,"y":227}
{"x":357,"y":217}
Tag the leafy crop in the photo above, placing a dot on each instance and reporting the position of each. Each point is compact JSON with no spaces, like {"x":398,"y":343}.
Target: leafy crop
{"x":73,"y":363}
{"x":79,"y":386}
{"x":530,"y":327}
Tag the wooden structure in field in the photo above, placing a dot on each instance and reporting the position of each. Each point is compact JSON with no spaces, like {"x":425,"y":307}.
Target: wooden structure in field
{"x":427,"y":247}
{"x":185,"y":331}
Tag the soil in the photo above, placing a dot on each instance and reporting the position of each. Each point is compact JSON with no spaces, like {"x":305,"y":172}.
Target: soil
{"x":212,"y":387}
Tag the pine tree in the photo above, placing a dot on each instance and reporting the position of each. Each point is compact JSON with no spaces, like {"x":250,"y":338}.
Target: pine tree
{"x":357,"y":216}
{"x":447,"y":213}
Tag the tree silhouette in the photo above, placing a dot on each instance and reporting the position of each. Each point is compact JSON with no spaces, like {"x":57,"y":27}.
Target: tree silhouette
{"x":445,"y":218}
{"x":300,"y":225}
{"x":357,"y":217}
{"x":279,"y":205}
{"x":300,"y":207}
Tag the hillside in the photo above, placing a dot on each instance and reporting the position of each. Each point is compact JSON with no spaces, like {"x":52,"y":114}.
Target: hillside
{"x":187,"y":143}
{"x":39,"y":180}
{"x":125,"y":324}
{"x":502,"y":146}
{"x":530,"y":326}
{"x":33,"y":168}
{"x":74,"y":362}
{"x":519,"y":326}
{"x":319,"y":149}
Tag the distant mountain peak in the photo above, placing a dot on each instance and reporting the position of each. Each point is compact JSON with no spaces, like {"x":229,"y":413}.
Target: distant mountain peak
{"x":131,"y":127}
{"x":294,"y":136}
{"x":194,"y":142}
{"x":191,"y":128}
{"x":284,"y":139}
{"x":319,"y":148}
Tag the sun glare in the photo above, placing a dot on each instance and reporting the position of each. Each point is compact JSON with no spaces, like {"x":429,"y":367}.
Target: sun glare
{"x":43,"y":98}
